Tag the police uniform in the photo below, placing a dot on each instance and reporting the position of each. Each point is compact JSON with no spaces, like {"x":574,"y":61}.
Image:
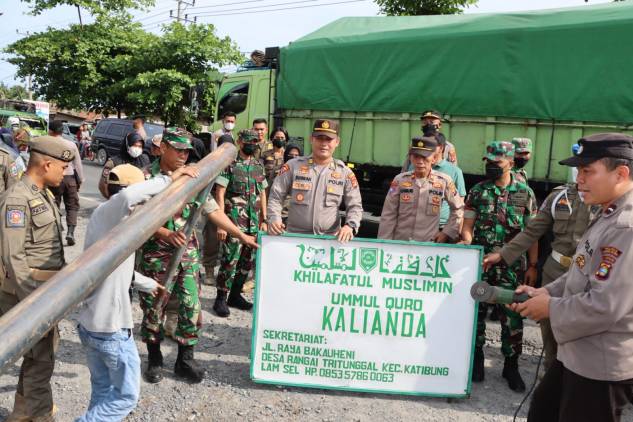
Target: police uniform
{"x":591,"y":310}
{"x":316,"y":192}
{"x":32,"y":252}
{"x":564,"y":213}
{"x":8,"y":170}
{"x":411,"y":210}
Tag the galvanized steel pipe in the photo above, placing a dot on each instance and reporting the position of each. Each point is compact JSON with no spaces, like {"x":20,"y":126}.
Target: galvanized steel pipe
{"x":29,"y":320}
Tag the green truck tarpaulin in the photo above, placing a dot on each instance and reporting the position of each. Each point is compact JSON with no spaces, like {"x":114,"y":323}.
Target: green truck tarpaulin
{"x":565,"y":64}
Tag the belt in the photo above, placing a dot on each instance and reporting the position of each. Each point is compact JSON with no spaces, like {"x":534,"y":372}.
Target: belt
{"x":563,"y":260}
{"x":42,"y":275}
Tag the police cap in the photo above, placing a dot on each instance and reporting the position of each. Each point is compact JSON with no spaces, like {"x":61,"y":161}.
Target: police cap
{"x":594,"y":147}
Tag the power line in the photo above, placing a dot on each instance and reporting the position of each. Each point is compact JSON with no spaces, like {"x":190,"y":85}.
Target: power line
{"x":256,"y":7}
{"x":281,"y":9}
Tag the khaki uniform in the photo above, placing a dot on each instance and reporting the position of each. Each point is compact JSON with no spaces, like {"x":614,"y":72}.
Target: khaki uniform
{"x":316,"y":193}
{"x":32,"y":252}
{"x":272,"y":165}
{"x":412,"y":208}
{"x":591,"y":309}
{"x":8,"y":170}
{"x":568,"y":217}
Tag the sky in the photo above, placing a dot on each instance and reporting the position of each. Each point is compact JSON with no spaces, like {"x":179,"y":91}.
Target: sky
{"x":242,"y":20}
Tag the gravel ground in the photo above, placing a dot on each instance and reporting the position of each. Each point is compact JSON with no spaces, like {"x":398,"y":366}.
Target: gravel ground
{"x":228,"y":393}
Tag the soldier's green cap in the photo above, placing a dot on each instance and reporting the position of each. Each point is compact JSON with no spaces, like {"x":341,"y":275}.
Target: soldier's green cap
{"x":248,"y":135}
{"x":498,"y":150}
{"x":522,"y":145}
{"x":53,"y":147}
{"x":177,"y":138}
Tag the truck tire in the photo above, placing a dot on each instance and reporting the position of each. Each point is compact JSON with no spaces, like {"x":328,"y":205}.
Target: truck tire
{"x":102,"y":156}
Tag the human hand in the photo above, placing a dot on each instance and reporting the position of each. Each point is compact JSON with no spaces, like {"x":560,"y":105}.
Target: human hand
{"x":191,"y":171}
{"x":276,"y":228}
{"x":530,"y":277}
{"x":491,"y":259}
{"x":345,"y":234}
{"x":221,"y":234}
{"x":250,"y":241}
{"x":175,"y":238}
{"x":440,"y":237}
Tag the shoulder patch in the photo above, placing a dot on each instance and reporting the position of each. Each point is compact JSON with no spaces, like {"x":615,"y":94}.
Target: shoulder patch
{"x":13,"y":169}
{"x":352,"y":178}
{"x":284,"y":169}
{"x":16,"y":216}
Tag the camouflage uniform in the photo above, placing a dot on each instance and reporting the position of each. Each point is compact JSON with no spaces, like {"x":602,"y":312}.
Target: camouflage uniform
{"x":244,"y":181}
{"x":521,"y":145}
{"x":155,"y":259}
{"x":500,"y":214}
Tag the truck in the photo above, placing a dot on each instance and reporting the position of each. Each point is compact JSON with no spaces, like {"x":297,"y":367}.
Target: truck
{"x":552,"y":76}
{"x":33,"y":115}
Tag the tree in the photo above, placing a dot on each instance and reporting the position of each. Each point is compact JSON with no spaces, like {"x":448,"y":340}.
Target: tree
{"x":15,"y":92}
{"x":423,"y":7}
{"x":95,"y":7}
{"x":113,"y":65}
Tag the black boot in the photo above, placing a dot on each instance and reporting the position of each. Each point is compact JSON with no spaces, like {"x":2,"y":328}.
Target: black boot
{"x":186,"y":367}
{"x":219,"y":306}
{"x":154,"y":374}
{"x":511,"y":373}
{"x":70,"y":236}
{"x":236,"y":300}
{"x":478,"y":365}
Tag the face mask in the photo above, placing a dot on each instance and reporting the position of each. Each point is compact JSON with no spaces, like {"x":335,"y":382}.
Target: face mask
{"x":429,"y":129}
{"x":278,"y":143}
{"x":520,"y":162}
{"x":249,"y":149}
{"x":493,"y":171}
{"x":229,"y":126}
{"x":135,"y":152}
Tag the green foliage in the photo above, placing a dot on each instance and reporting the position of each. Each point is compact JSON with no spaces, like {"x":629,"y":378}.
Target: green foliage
{"x":95,"y":7}
{"x":113,"y":65}
{"x":423,"y":7}
{"x":15,"y":92}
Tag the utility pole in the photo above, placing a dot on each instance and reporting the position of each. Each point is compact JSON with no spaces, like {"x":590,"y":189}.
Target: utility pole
{"x":182,"y":6}
{"x":28,"y":78}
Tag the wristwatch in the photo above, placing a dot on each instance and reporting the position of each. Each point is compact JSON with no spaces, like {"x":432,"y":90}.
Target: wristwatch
{"x":353,"y":226}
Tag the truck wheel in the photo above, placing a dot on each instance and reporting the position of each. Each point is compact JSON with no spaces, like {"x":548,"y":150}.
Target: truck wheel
{"x":102,"y":156}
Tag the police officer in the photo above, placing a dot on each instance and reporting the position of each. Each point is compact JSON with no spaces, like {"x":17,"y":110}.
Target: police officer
{"x":32,"y":252}
{"x":496,"y":210}
{"x":564,"y":214}
{"x":317,"y":185}
{"x":590,"y":307}
{"x":522,"y":154}
{"x":8,"y":169}
{"x":411,"y":210}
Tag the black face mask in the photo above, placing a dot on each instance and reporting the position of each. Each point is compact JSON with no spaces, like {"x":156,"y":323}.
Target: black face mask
{"x":493,"y":171}
{"x":278,"y":143}
{"x":429,"y":129}
{"x":249,"y":149}
{"x":520,"y":162}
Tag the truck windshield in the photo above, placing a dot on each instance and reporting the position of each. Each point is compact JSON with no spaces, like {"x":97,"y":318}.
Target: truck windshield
{"x":234,"y":100}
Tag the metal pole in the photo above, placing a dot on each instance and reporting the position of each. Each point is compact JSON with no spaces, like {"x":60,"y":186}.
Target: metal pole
{"x":29,"y":320}
{"x":176,"y":257}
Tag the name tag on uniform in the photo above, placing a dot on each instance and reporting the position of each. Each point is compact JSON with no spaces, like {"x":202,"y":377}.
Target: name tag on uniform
{"x":518,"y":198}
{"x":301,"y":185}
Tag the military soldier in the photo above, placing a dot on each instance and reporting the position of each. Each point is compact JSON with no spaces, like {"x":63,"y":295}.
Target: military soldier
{"x":522,"y":154}
{"x":496,"y":210}
{"x":242,"y":190}
{"x":8,"y":170}
{"x":412,"y":207}
{"x":32,"y":252}
{"x":273,"y":159}
{"x":317,"y":185}
{"x":590,"y":307}
{"x":563,"y":213}
{"x":156,"y":253}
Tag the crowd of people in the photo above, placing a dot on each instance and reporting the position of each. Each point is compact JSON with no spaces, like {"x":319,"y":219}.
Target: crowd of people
{"x":272,"y":187}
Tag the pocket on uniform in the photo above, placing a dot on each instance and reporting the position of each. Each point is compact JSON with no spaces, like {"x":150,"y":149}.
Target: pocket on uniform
{"x":333,"y":199}
{"x":432,"y":209}
{"x":43,"y":226}
{"x":515,"y":217}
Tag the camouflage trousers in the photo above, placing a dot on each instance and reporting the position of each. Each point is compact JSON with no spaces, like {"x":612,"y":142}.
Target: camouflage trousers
{"x":187,"y":292}
{"x":511,"y":322}
{"x":236,"y":261}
